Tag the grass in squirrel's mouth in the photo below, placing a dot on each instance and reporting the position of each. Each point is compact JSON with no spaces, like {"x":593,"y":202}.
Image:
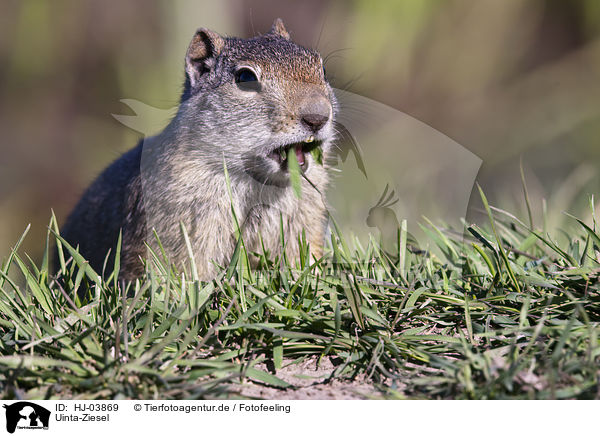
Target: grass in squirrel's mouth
{"x":279,"y":155}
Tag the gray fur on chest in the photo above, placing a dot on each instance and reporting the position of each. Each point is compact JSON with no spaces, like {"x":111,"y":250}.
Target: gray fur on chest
{"x":195,"y":194}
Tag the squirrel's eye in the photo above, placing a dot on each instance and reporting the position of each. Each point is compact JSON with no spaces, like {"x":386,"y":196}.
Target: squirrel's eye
{"x":246,"y":80}
{"x":324,"y":71}
{"x":246,"y":75}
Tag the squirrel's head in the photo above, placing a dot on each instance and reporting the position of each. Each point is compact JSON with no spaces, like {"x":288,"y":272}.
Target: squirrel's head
{"x":254,"y":99}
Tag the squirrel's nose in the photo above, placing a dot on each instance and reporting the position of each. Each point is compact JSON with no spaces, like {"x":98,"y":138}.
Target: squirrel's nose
{"x":315,"y":113}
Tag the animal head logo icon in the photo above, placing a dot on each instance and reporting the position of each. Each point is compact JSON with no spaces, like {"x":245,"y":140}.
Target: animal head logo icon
{"x":24,"y":414}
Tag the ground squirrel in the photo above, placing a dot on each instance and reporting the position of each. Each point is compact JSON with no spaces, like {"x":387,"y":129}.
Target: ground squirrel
{"x":245,"y":103}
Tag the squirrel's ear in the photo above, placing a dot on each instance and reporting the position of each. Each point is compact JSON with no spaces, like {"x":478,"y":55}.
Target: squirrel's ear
{"x":205,"y":46}
{"x":279,"y":29}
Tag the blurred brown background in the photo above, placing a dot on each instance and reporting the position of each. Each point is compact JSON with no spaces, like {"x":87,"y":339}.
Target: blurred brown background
{"x":506,"y":79}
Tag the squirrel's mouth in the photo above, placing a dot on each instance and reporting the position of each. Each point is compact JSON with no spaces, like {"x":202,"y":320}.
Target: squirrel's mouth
{"x":280,"y":154}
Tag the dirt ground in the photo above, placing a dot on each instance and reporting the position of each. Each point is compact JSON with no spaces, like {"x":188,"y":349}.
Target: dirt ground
{"x":310,"y":382}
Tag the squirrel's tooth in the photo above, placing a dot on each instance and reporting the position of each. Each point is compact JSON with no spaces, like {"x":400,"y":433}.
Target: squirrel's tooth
{"x":310,"y":139}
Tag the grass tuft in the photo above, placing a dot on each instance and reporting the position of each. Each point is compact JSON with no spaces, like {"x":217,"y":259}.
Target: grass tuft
{"x":507,"y":313}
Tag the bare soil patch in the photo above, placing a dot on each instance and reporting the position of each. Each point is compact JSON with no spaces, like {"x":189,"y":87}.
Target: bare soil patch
{"x":310,"y":380}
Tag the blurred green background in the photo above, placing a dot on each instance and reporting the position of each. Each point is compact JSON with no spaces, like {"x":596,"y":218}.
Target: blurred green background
{"x":508,"y":80}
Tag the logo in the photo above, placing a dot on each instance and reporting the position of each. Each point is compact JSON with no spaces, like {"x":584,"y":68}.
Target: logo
{"x":26,"y":415}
